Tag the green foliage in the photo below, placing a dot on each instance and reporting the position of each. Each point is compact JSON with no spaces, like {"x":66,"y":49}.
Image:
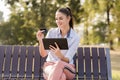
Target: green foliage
{"x":99,"y":33}
{"x":27,"y":16}
{"x":116,"y":18}
{"x":15,"y":32}
{"x":109,"y":12}
{"x":77,"y":10}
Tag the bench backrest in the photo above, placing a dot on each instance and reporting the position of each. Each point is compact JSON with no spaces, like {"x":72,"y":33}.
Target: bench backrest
{"x":94,"y":63}
{"x":19,"y":62}
{"x":25,"y":62}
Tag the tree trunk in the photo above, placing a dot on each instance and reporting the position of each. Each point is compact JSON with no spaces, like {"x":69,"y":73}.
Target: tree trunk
{"x":109,"y":30}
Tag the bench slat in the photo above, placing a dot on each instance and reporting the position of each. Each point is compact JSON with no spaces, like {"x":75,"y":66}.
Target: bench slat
{"x":80,"y":63}
{"x":87,"y":62}
{"x":37,"y":63}
{"x":103,"y":65}
{"x":95,"y":63}
{"x":22,"y":62}
{"x":7,"y":62}
{"x":109,"y":75}
{"x":2,"y":52}
{"x":29,"y":62}
{"x":15,"y":61}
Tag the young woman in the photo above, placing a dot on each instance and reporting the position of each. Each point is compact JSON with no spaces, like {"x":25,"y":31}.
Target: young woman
{"x":57,"y":60}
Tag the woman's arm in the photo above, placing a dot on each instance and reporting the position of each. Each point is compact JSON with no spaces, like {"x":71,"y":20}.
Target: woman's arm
{"x":42,"y":51}
{"x":65,"y":59}
{"x":40,"y":36}
{"x":74,"y":43}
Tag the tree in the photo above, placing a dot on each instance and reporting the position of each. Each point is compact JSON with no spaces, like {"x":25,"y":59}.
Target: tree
{"x":91,"y":8}
{"x":98,"y":33}
{"x":99,"y":7}
{"x":26,"y":18}
{"x":115,"y":12}
{"x":77,"y":10}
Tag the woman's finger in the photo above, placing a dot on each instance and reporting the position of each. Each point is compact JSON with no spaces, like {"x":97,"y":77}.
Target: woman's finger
{"x":53,"y":50}
{"x":39,"y":35}
{"x":56,"y":45}
{"x":52,"y":47}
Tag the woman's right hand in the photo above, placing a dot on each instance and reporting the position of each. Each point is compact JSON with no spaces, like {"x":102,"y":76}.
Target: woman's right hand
{"x":39,"y":35}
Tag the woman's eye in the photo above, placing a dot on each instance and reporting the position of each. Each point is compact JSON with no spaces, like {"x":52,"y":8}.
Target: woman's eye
{"x":61,"y":18}
{"x":56,"y":19}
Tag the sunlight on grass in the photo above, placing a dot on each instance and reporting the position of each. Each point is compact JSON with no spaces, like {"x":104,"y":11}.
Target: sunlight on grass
{"x":115,"y":75}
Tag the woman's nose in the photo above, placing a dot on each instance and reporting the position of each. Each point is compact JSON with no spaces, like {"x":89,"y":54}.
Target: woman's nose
{"x":58,"y":21}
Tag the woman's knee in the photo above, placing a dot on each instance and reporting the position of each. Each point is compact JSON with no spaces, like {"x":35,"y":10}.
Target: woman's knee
{"x":59,"y":63}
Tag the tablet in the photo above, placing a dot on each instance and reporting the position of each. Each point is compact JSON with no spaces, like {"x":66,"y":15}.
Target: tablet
{"x":62,"y":43}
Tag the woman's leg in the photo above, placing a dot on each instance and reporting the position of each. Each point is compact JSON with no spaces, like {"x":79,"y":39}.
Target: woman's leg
{"x":63,"y":77}
{"x":47,"y":68}
{"x":56,"y":71}
{"x":69,"y":75}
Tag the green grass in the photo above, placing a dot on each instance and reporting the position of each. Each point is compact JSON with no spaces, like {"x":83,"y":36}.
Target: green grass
{"x":115,"y":75}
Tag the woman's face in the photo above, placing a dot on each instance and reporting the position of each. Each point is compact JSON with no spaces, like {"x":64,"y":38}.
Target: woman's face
{"x":62,"y":20}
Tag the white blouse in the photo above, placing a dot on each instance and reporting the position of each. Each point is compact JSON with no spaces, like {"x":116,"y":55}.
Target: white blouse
{"x":73,"y":43}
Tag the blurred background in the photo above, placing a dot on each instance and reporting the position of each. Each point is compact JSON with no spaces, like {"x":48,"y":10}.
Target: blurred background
{"x":96,"y":21}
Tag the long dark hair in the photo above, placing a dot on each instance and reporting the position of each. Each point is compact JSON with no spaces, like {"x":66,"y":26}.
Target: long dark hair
{"x":67,"y":12}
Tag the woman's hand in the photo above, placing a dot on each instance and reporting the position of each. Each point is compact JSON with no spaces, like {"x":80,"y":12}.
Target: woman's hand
{"x":58,"y":53}
{"x":39,"y":35}
{"x":56,"y":50}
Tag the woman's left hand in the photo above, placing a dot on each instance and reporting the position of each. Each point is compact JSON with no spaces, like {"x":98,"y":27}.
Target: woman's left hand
{"x":56,"y":50}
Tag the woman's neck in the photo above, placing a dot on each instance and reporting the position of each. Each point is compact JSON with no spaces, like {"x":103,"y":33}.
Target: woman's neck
{"x":65,"y":31}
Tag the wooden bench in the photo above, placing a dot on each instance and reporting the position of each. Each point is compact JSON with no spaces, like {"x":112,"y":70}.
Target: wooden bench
{"x":24,"y":62}
{"x":94,"y":63}
{"x":19,"y":62}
